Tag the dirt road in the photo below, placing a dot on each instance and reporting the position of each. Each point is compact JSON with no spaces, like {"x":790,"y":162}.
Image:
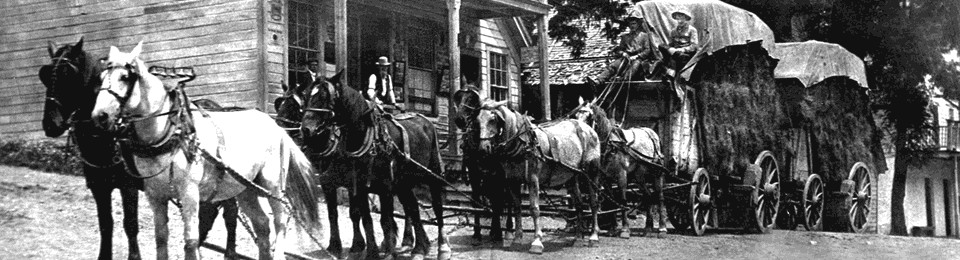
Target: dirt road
{"x":50,"y":216}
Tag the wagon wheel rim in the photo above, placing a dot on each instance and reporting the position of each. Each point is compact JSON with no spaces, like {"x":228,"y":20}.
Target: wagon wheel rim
{"x":860,"y":208}
{"x":767,"y":203}
{"x":813,"y":203}
{"x":700,"y":201}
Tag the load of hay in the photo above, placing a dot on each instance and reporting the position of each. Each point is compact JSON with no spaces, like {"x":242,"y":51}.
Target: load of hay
{"x":837,"y":113}
{"x":739,"y":108}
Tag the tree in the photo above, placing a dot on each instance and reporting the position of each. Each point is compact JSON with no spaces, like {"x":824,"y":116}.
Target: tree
{"x":563,"y":27}
{"x":902,"y":42}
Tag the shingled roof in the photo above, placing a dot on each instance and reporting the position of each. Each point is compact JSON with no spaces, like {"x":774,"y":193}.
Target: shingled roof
{"x":565,"y":69}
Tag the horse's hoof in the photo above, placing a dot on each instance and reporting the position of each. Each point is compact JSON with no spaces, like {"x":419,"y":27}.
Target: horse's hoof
{"x":476,"y":236}
{"x":594,"y":240}
{"x":444,"y":255}
{"x":417,"y":257}
{"x":536,"y":247}
{"x":386,"y":256}
{"x":625,"y":234}
{"x":405,"y":251}
{"x":133,"y":257}
{"x":509,"y":236}
{"x":356,"y":255}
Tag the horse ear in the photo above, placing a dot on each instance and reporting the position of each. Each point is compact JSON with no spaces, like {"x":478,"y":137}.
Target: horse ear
{"x":79,"y":45}
{"x":114,"y":52}
{"x":50,"y":47}
{"x":137,"y":50}
{"x":336,"y":77}
{"x":284,"y":86}
{"x":580,"y":99}
{"x":276,"y":104}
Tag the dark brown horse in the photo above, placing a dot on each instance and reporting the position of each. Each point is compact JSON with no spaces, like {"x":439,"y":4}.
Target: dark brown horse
{"x":487,"y":181}
{"x":629,"y":155}
{"x":71,"y":81}
{"x":374,"y":152}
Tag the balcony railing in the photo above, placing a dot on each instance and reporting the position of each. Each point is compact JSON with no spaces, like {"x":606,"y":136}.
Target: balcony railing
{"x":949,"y":136}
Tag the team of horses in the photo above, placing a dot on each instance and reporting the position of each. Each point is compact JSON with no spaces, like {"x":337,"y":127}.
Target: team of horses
{"x":136,"y":133}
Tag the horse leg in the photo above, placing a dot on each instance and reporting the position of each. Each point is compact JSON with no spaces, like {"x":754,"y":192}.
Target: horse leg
{"x":412,"y":209}
{"x":594,"y":209}
{"x":406,"y":246}
{"x":189,"y":209}
{"x":250,"y":205}
{"x":363,"y":199}
{"x":208,"y":215}
{"x":105,"y":216}
{"x":389,"y":225}
{"x":356,"y":199}
{"x":577,"y":198}
{"x":624,"y":223}
{"x":230,"y":216}
{"x":161,"y":232}
{"x":536,"y":246}
{"x":516,"y":223}
{"x":443,"y":247}
{"x":330,"y":195}
{"x":496,"y":203}
{"x":131,"y":224}
{"x":658,"y":188}
{"x":475,"y":194}
{"x":280,"y":217}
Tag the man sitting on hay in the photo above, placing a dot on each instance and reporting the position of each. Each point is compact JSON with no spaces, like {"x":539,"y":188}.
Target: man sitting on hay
{"x":635,"y":51}
{"x":684,"y":42}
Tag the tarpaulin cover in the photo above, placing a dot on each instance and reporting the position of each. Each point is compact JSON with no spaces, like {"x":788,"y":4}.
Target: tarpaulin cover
{"x":814,"y":61}
{"x":719,"y":24}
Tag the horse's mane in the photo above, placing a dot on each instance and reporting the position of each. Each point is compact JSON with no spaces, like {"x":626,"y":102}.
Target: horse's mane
{"x":601,"y":124}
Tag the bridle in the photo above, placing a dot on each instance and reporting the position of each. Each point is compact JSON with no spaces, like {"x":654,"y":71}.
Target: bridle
{"x":124,"y":120}
{"x":333,"y":96}
{"x":58,"y":62}
{"x":328,"y":125}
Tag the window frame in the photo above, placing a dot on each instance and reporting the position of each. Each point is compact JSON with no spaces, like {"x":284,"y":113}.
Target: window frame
{"x":498,"y":76}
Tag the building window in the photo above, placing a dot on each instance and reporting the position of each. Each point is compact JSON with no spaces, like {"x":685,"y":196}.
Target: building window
{"x":303,"y":29}
{"x":422,"y":77}
{"x":421,"y":42}
{"x":499,"y":77}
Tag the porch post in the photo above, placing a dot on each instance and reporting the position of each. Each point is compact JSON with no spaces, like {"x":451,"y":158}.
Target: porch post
{"x":453,"y":43}
{"x":954,"y":198}
{"x":340,"y":33}
{"x":544,"y":65}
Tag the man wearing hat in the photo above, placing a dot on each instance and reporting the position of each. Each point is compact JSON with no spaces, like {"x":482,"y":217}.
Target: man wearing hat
{"x":380,"y":86}
{"x":634,"y":52}
{"x":684,"y":40}
{"x":313,"y":67}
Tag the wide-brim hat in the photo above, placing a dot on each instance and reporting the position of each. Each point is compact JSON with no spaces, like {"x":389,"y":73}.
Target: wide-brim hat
{"x":310,"y":60}
{"x":682,"y":13}
{"x":383,"y":61}
{"x":629,"y":19}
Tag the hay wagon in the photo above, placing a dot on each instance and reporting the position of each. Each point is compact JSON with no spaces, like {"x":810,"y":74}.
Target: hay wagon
{"x":833,"y":149}
{"x":743,"y":151}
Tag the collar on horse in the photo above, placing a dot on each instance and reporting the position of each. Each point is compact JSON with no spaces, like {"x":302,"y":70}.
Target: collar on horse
{"x":518,"y":145}
{"x":178,"y":132}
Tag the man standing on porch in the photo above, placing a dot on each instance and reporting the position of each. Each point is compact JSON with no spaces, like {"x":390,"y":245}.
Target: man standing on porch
{"x":380,"y":86}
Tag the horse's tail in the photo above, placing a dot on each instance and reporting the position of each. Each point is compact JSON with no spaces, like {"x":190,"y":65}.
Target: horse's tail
{"x":300,"y":184}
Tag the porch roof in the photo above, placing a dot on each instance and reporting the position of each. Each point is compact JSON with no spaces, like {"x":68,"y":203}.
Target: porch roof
{"x":506,"y":8}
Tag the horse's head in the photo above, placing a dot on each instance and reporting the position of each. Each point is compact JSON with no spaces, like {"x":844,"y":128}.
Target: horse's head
{"x":289,"y":108}
{"x":67,"y":84}
{"x":127,"y":89}
{"x":467,"y":106}
{"x":594,"y":116}
{"x":496,"y":124}
{"x":320,"y":106}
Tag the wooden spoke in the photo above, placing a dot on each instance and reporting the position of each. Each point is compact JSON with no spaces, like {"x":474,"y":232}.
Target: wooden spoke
{"x":700,"y":201}
{"x":767,"y":199}
{"x":861,"y":194}
{"x":813,"y":203}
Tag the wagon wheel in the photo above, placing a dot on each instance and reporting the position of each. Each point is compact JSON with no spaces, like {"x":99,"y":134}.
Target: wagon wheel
{"x":860,"y":209}
{"x":701,"y":206}
{"x":766,"y":196}
{"x":813,"y":203}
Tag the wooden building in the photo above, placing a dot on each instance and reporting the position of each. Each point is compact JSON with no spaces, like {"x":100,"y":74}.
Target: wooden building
{"x":244,"y":50}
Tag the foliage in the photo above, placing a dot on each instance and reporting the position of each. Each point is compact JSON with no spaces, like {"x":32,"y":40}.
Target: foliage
{"x":562,"y":27}
{"x":41,"y":154}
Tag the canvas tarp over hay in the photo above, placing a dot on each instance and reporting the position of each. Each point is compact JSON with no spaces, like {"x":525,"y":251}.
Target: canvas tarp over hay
{"x":739,"y":108}
{"x":719,"y":24}
{"x":824,"y":88}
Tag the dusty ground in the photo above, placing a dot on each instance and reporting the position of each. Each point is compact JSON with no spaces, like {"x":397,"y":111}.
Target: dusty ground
{"x":49,"y":216}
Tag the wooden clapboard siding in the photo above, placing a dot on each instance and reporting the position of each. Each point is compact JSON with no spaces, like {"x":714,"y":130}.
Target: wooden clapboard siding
{"x":221,"y":39}
{"x":495,"y":39}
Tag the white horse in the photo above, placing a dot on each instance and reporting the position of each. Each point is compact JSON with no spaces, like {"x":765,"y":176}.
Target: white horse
{"x":192,"y":156}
